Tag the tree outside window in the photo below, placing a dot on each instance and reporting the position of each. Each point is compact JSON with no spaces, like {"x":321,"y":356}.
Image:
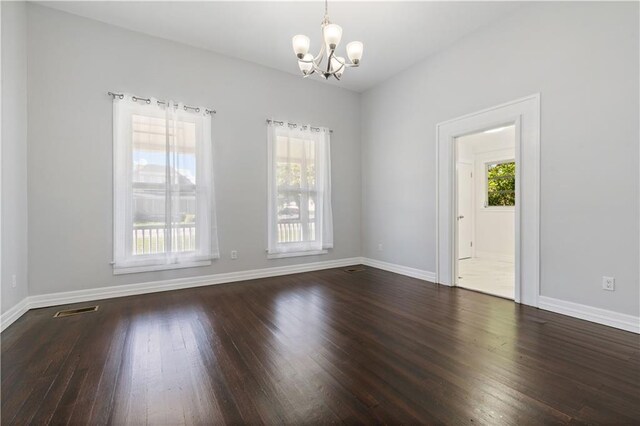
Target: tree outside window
{"x":501,"y":184}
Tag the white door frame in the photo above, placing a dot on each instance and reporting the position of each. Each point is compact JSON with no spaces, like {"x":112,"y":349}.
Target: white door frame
{"x":525,"y":114}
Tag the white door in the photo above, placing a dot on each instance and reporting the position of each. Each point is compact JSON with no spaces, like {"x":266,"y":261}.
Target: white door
{"x":465,"y":210}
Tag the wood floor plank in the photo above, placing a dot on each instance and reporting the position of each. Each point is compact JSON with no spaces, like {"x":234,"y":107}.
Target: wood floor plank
{"x":323,"y":347}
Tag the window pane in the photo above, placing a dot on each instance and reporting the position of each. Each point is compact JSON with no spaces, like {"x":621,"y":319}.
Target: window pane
{"x":310,"y":163}
{"x":501,"y":184}
{"x":295,"y":181}
{"x":183,"y":189}
{"x":289,"y":219}
{"x":149,"y":177}
{"x":311,"y":226}
{"x":183,"y":237}
{"x":148,"y":220}
{"x":150,"y":185}
{"x":295,"y":163}
{"x":183,"y":153}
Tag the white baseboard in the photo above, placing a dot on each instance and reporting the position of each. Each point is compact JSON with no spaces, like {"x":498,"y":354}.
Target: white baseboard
{"x":67,"y":297}
{"x":589,"y":313}
{"x":399,"y":269}
{"x":14,"y":313}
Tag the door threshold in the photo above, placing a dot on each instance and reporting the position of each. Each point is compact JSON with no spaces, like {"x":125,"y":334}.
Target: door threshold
{"x":486,"y":292}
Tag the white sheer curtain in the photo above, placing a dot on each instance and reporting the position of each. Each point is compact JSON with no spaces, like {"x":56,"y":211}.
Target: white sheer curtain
{"x":300,"y":215}
{"x":164,"y":213}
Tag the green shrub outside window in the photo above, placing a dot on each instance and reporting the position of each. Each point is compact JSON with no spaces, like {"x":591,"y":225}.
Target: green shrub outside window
{"x":501,"y":184}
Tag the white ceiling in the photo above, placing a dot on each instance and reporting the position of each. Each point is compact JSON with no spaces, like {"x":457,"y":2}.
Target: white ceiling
{"x":395,"y":34}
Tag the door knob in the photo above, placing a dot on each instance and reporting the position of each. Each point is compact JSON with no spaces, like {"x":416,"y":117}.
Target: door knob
{"x":460,"y":217}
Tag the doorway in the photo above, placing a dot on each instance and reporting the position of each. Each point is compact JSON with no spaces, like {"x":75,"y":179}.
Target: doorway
{"x":485,"y":211}
{"x":524,"y":116}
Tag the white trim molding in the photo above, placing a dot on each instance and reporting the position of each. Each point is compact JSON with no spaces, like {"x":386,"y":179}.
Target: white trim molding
{"x":77,"y":296}
{"x":525,"y":115}
{"x":597,"y":315}
{"x":399,"y":269}
{"x":589,"y":313}
{"x":296,"y":254}
{"x":14,"y":313}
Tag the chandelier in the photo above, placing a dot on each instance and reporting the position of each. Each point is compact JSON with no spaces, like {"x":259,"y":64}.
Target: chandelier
{"x":335,"y":65}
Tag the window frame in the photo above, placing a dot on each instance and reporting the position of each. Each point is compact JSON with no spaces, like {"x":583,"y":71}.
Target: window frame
{"x":487,"y":164}
{"x":319,"y":192}
{"x":125,"y":260}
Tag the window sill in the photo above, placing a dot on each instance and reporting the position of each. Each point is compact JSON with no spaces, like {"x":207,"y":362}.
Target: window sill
{"x":296,"y":254}
{"x":151,"y":268}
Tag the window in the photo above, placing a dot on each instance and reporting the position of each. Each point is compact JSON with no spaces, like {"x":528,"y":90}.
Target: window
{"x":300,"y":219}
{"x":163,"y":190}
{"x":501,"y":184}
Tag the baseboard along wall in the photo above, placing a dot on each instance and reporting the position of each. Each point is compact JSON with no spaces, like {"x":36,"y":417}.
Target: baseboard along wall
{"x":589,"y":313}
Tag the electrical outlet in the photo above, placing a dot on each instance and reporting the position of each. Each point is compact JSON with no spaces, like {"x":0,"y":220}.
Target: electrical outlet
{"x":608,"y":283}
{"x":379,"y":247}
{"x":234,"y":254}
{"x":14,"y":281}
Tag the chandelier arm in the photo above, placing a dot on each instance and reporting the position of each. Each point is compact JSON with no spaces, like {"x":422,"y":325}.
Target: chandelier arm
{"x":344,"y":64}
{"x":320,"y":55}
{"x":316,"y":68}
{"x":331,"y":53}
{"x":316,"y":65}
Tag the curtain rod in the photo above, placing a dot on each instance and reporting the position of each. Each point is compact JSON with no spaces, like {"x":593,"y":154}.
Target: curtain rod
{"x":294,"y":125}
{"x":148,"y":100}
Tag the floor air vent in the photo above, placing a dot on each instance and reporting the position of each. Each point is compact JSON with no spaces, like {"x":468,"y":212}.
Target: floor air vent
{"x":77,"y":311}
{"x":352,"y":270}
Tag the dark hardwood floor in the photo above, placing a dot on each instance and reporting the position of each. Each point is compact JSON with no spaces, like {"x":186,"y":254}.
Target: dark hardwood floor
{"x":320,"y":347}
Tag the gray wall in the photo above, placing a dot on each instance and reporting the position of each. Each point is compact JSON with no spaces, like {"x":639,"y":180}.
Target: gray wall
{"x":14,"y":153}
{"x":73,"y":62}
{"x":583,"y":59}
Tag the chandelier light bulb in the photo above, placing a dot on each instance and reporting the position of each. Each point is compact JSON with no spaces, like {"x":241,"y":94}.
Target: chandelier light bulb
{"x":354,"y":51}
{"x":337,"y":65}
{"x":332,"y":35}
{"x":300,"y":45}
{"x":306,"y":64}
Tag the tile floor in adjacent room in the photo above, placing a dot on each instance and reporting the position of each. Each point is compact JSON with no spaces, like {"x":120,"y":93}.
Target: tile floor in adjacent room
{"x":490,"y":276}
